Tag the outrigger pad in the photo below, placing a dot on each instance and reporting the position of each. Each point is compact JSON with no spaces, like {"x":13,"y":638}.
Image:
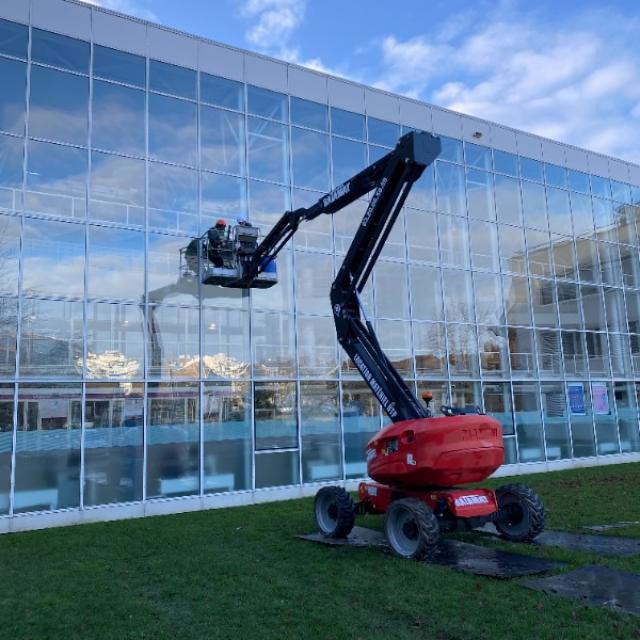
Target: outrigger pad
{"x":460,"y":556}
{"x":594,"y":585}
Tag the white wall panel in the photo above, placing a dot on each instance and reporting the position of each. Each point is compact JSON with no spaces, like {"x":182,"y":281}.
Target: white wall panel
{"x":265,"y":73}
{"x":553,"y":152}
{"x":346,"y":95}
{"x":414,"y":114}
{"x":119,"y":33}
{"x":503,"y":139}
{"x":576,"y":159}
{"x":619,"y":170}
{"x":447,"y":123}
{"x":62,"y":17}
{"x":172,"y":47}
{"x":529,"y":145}
{"x":308,"y":85}
{"x":221,"y":61}
{"x":16,"y":10}
{"x":471,"y":126}
{"x":598,"y":165}
{"x":381,"y":105}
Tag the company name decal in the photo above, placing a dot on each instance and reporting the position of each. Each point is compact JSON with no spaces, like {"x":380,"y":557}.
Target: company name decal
{"x":467,"y":501}
{"x":340,"y":191}
{"x":387,"y":405}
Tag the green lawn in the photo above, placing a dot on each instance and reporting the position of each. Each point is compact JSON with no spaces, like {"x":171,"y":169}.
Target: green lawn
{"x":240,"y":573}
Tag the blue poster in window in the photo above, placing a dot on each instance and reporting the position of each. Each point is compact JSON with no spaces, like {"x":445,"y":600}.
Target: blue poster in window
{"x":576,"y":399}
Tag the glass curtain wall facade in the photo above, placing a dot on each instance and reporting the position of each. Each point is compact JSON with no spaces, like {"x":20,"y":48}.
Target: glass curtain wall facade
{"x":507,"y":283}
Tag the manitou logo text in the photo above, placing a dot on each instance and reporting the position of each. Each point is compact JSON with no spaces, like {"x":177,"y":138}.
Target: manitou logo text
{"x":467,"y":501}
{"x":342,"y":190}
{"x":386,"y":403}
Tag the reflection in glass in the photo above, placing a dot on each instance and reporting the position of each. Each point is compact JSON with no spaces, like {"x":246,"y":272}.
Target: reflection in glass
{"x":8,"y":333}
{"x":587,"y":260}
{"x":275,"y":415}
{"x":9,"y":252}
{"x":458,"y":296}
{"x":488,"y":299}
{"x":512,"y":253}
{"x":273,"y":345}
{"x":505,"y":162}
{"x":227,"y":437}
{"x":268,"y":150}
{"x":47,"y":467}
{"x":466,"y":395}
{"x":559,"y":210}
{"x":59,"y":106}
{"x":426,"y":293}
{"x":614,"y":306}
{"x":115,"y":341}
{"x":463,"y":350}
{"x":568,"y":304}
{"x":113,"y":449}
{"x":169,"y":78}
{"x":172,"y":130}
{"x":317,"y":355}
{"x":11,"y":154}
{"x":309,"y":114}
{"x":620,"y":355}
{"x":480,"y":199}
{"x":314,"y":275}
{"x":12,"y":102}
{"x":531,"y":169}
{"x":543,"y":302}
{"x":516,"y":300}
{"x":478,"y":156}
{"x":548,"y":353}
{"x":317,"y":233}
{"x":268,"y":104}
{"x":14,"y":39}
{"x":451,"y":149}
{"x":604,"y":418}
{"x":430,"y":349}
{"x":221,"y":92}
{"x":508,"y":203}
{"x":497,"y":403}
{"x":346,"y":123}
{"x":163,"y":271}
{"x":539,"y":253}
{"x":310,"y":159}
{"x":60,"y":51}
{"x":280,"y":297}
{"x":454,"y":241}
{"x":6,"y":441}
{"x":450,"y":188}
{"x":574,"y":353}
{"x":320,"y":431}
{"x":556,"y":421}
{"x":173,"y":198}
{"x":555,"y":176}
{"x":422,"y":239}
{"x":392,"y":300}
{"x":582,"y":436}
{"x":118,"y":122}
{"x":395,"y":339}
{"x":222,"y":196}
{"x":600,"y":187}
{"x":277,"y":469}
{"x":521,"y":352}
{"x":494,"y":351}
{"x":526,"y":405}
{"x":173,"y":467}
{"x":221,"y":140}
{"x":598,"y":353}
{"x":582,"y":213}
{"x":382,"y":132}
{"x":361,"y":421}
{"x":610,"y":267}
{"x":119,"y":66}
{"x":627,"y":410}
{"x":348,"y":159}
{"x":534,"y":205}
{"x":484,"y":245}
{"x":226,"y":352}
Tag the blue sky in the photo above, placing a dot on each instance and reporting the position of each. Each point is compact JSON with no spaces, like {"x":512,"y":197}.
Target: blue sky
{"x":569,"y":70}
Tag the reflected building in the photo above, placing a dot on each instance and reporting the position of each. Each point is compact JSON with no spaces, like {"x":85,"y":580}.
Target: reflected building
{"x":511,"y":280}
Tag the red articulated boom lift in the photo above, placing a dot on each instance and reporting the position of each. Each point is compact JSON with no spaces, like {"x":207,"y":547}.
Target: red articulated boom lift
{"x":417,"y":462}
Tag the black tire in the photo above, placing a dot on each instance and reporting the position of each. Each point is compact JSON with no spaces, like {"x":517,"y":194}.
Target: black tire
{"x":520,"y":513}
{"x":411,"y":528}
{"x":334,"y":512}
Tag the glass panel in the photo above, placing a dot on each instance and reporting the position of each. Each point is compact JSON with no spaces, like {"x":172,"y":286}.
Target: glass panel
{"x":221,"y":92}
{"x":57,"y":250}
{"x":227,"y":427}
{"x":480,"y":198}
{"x":549,"y":354}
{"x":268,"y":150}
{"x":6,"y":436}
{"x":539,"y":253}
{"x":426,"y":293}
{"x":113,"y":445}
{"x":173,"y":450}
{"x":454,"y":241}
{"x":478,"y":156}
{"x":543,"y":302}
{"x":226,"y":351}
{"x":497,"y":403}
{"x":173,"y":198}
{"x":620,"y":191}
{"x":60,"y":51}
{"x":309,"y":114}
{"x":619,"y":349}
{"x":531,"y":169}
{"x":11,"y":154}
{"x":430,"y":349}
{"x":172,"y":130}
{"x":458,"y":296}
{"x":494,"y":351}
{"x":392,"y":300}
{"x":522,"y":352}
{"x":317,"y":348}
{"x":587,"y":257}
{"x":604,"y":418}
{"x":582,"y":436}
{"x":422,"y":238}
{"x":505,"y":163}
{"x":267,"y":202}
{"x":275,"y":415}
{"x":600,"y":187}
{"x":115,"y":342}
{"x":484,"y":245}
{"x":534,"y":205}
{"x":277,"y":469}
{"x":273,"y":345}
{"x":279,"y":298}
{"x":119,"y":66}
{"x":56,"y":180}
{"x":564,"y":257}
{"x":526,"y":403}
{"x":568,"y":304}
{"x":488,"y":298}
{"x":574,"y":353}
{"x":423,"y":194}
{"x":382,"y":132}
{"x":346,"y":123}
{"x":314,"y":275}
{"x":508,"y":203}
{"x":556,"y":176}
{"x":47,"y":470}
{"x":117,"y":189}
{"x":9,"y":252}
{"x":395,"y":339}
{"x":610,"y":267}
{"x":559,"y":210}
{"x":169,"y":78}
{"x":118,"y":118}
{"x":59,"y":106}
{"x":221,"y":140}
{"x":361,"y":421}
{"x":462,"y":350}
{"x":614,"y":305}
{"x":512,"y":252}
{"x":12,"y":99}
{"x":14,"y":39}
{"x":320,"y":431}
{"x":317,"y":233}
{"x":633,"y":311}
{"x":466,"y":395}
{"x":450,"y":188}
{"x":579,"y":181}
{"x":8,"y":329}
{"x":173,"y":342}
{"x":627,"y":410}
{"x":268,"y":104}
{"x":451,"y":149}
{"x":348,"y":159}
{"x":598,"y":353}
{"x":516,"y":300}
{"x":556,"y":421}
{"x":222,"y":196}
{"x":310,"y":159}
{"x":582,"y":214}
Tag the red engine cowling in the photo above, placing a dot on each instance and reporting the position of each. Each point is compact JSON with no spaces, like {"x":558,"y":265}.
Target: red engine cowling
{"x":436,"y":452}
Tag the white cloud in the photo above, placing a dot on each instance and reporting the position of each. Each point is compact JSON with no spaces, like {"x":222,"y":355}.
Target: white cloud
{"x":577,"y":82}
{"x":128,"y":7}
{"x":276,"y":21}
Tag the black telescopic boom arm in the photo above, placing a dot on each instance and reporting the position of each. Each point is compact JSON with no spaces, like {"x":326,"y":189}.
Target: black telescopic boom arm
{"x":392,"y":178}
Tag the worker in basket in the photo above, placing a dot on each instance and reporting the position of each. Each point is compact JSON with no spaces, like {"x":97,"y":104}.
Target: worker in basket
{"x":216,"y":237}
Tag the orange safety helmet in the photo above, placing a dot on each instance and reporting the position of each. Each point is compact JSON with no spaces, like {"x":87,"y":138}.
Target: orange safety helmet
{"x":220,"y":223}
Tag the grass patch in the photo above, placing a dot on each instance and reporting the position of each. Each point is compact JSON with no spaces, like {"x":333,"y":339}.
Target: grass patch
{"x":240,"y":573}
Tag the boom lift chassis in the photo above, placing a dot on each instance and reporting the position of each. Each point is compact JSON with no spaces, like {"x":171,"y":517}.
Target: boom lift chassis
{"x":417,"y":461}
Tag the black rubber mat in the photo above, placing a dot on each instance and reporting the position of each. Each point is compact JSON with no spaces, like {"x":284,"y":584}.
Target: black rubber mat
{"x":461,"y":556}
{"x":614,"y":525}
{"x":594,"y":585}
